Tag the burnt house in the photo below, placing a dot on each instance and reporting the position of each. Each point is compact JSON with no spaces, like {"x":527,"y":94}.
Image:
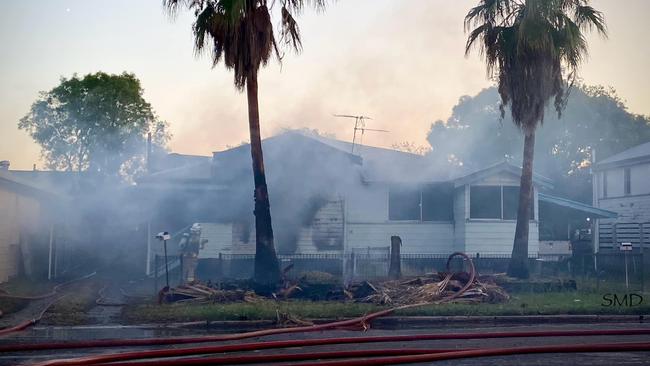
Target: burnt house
{"x":327,"y":200}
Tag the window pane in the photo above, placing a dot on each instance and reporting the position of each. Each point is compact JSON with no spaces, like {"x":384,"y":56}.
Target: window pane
{"x":404,"y":203}
{"x":485,"y":202}
{"x":437,"y":202}
{"x":511,"y":203}
{"x":627,"y":180}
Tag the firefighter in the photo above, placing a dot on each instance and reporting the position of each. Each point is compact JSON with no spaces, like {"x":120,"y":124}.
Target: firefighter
{"x":190,"y":245}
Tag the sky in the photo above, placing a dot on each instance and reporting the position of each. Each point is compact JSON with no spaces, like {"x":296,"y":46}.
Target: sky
{"x":400,"y":62}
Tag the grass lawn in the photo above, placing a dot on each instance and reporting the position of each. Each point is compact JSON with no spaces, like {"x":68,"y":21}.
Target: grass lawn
{"x":572,"y":303}
{"x":73,"y":308}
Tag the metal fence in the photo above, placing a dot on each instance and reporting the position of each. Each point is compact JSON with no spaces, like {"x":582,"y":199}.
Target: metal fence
{"x":619,"y":268}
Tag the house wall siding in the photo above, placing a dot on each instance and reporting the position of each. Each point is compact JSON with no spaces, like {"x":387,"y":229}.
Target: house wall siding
{"x":629,"y":209}
{"x":19,"y":216}
{"x":496,"y":237}
{"x":418,"y":237}
{"x":220,"y":239}
{"x":633,"y":208}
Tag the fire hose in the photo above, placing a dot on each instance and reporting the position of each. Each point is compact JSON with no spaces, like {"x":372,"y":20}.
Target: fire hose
{"x":307,"y":356}
{"x":27,"y":323}
{"x":440,"y":356}
{"x":255,"y":346}
{"x":399,"y":356}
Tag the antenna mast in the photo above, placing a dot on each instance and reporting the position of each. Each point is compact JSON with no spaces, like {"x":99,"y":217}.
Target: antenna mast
{"x":359,"y":125}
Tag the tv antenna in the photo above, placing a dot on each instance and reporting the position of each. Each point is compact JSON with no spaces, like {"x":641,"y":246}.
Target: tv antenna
{"x":359,"y":125}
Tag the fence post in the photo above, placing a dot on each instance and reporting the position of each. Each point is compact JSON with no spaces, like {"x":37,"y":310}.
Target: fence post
{"x":395,"y":266}
{"x":643,"y":262}
{"x":155,"y":275}
{"x":220,"y":264}
{"x":180,"y":267}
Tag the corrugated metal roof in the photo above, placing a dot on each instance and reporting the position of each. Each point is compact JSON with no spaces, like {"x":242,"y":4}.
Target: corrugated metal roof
{"x":579,"y":206}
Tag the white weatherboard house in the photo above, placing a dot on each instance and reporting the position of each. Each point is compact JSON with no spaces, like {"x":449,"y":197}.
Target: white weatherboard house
{"x":326,"y":200}
{"x":622,"y":184}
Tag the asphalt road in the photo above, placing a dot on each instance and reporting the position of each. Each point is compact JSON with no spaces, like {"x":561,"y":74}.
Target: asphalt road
{"x":41,"y":334}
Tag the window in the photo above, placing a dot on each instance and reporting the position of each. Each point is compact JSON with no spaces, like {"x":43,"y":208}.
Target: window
{"x":511,"y":203}
{"x":429,"y":202}
{"x":437,"y":202}
{"x":605,"y":184}
{"x":485,"y":202}
{"x":628,"y":181}
{"x":404,"y":203}
{"x":496,"y":202}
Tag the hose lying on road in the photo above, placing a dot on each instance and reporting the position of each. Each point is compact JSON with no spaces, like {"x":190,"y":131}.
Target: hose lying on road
{"x":246,"y":359}
{"x":399,"y":356}
{"x":572,"y":348}
{"x":254,"y":346}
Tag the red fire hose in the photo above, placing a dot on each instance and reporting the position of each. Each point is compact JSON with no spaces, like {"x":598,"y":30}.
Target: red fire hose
{"x":605,"y":347}
{"x":178,"y":352}
{"x":399,"y":356}
{"x":232,"y":360}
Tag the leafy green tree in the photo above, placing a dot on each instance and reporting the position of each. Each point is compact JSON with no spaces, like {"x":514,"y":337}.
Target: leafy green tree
{"x":595,"y":120}
{"x":240,"y":33}
{"x":97,"y":123}
{"x":530,"y":47}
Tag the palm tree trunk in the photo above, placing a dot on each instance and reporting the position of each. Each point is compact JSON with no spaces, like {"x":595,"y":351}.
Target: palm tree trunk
{"x":518,"y":266}
{"x":267,"y":268}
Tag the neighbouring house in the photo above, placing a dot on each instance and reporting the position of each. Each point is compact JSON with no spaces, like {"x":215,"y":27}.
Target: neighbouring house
{"x":327,"y":201}
{"x":28,"y":227}
{"x":621,"y":183}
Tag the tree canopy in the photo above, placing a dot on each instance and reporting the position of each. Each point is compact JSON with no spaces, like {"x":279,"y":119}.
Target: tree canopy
{"x":595,"y":119}
{"x":98,"y":122}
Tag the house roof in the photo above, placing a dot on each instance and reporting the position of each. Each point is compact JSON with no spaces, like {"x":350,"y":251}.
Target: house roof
{"x":594,"y":212}
{"x":63,"y":182}
{"x":634,"y":155}
{"x":463,"y":178}
{"x":13,"y":182}
{"x":372,"y":164}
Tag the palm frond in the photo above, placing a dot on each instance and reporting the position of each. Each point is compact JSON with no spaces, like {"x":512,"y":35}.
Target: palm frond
{"x":530,"y":47}
{"x":240,"y":32}
{"x":588,"y":18}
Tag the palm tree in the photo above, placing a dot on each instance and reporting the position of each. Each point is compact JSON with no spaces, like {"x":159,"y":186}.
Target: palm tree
{"x":533,"y":49}
{"x":240,"y":33}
